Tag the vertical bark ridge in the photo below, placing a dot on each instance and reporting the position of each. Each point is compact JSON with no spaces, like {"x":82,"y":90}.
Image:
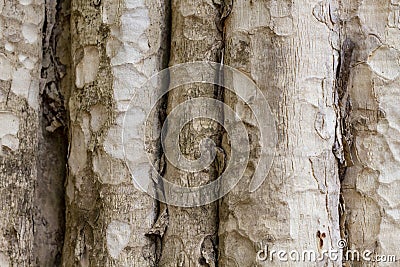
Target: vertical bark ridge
{"x":190,"y":238}
{"x":20,"y":63}
{"x":116,"y":47}
{"x":370,"y":186}
{"x":289,"y":49}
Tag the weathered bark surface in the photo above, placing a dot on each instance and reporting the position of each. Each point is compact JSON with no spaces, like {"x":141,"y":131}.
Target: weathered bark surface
{"x":116,"y":46}
{"x":289,"y":49}
{"x":20,"y":63}
{"x":371,"y":183}
{"x":191,"y":234}
{"x":49,"y":202}
{"x":68,"y":73}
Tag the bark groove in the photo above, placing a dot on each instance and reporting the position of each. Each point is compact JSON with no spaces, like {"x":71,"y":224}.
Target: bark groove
{"x":53,"y":135}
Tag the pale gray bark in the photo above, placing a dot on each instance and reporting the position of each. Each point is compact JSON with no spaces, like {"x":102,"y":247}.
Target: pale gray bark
{"x":116,"y":46}
{"x":371,"y":183}
{"x":289,"y":49}
{"x":331,"y":77}
{"x":190,"y":237}
{"x":20,"y":63}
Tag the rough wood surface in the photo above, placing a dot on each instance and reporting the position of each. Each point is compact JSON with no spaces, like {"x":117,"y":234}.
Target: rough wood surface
{"x":289,"y":48}
{"x":116,"y":46}
{"x":49,"y":205}
{"x":20,"y":64}
{"x":371,"y":186}
{"x":190,"y":237}
{"x":70,"y":69}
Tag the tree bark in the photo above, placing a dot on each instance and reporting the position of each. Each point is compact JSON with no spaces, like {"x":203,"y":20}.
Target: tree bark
{"x":289,"y":49}
{"x":71,"y":85}
{"x":20,"y":64}
{"x":116,"y":46}
{"x":49,"y":205}
{"x":371,"y":182}
{"x":190,"y":238}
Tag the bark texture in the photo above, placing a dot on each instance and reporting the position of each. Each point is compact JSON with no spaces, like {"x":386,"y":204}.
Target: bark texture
{"x":20,"y":63}
{"x":71,"y":69}
{"x":49,"y":205}
{"x":371,"y":182}
{"x":116,"y":46}
{"x":190,"y":238}
{"x":289,"y":48}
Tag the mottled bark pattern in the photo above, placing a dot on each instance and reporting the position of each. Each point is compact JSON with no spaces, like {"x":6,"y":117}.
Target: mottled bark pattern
{"x":20,"y":63}
{"x":70,"y":69}
{"x":289,"y":49}
{"x":191,"y":234}
{"x":371,"y":187}
{"x":116,"y":46}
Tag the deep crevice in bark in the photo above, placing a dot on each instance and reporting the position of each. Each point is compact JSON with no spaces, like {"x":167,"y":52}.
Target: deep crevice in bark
{"x":157,"y":232}
{"x":49,"y":215}
{"x":344,"y":138}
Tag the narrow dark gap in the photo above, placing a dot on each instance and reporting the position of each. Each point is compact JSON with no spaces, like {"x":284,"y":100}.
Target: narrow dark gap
{"x":344,"y":138}
{"x":219,"y":94}
{"x":157,"y":232}
{"x":49,"y":213}
{"x":220,"y":91}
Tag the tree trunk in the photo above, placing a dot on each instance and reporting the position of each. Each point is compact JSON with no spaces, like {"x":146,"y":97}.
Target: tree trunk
{"x":116,"y":46}
{"x":80,"y":130}
{"x":20,"y":64}
{"x":190,"y":238}
{"x":371,"y":179}
{"x":288,"y":49}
